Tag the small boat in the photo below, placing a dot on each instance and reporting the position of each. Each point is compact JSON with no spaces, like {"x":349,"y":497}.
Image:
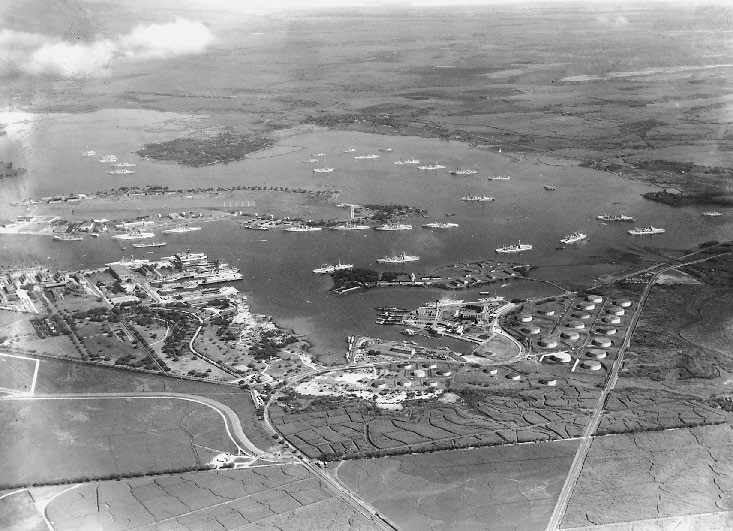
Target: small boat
{"x":615,"y":217}
{"x":514,"y":248}
{"x":151,"y":244}
{"x":477,"y":198}
{"x":550,"y":188}
{"x":398,"y":259}
{"x":364,"y":157}
{"x":645,"y":231}
{"x":322,"y":170}
{"x":440,"y":225}
{"x":67,"y":237}
{"x":459,"y":171}
{"x":574,"y":237}
{"x":181,"y":228}
{"x":435,"y":166}
{"x":394,"y":226}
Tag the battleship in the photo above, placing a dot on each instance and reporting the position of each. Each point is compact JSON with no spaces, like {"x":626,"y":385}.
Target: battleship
{"x":574,"y":237}
{"x":398,"y":259}
{"x":514,"y":248}
{"x":327,"y":269}
{"x":459,"y":171}
{"x":435,"y":166}
{"x":440,"y":225}
{"x":151,"y":244}
{"x":133,"y":235}
{"x":477,"y":198}
{"x":408,"y":161}
{"x":322,"y":170}
{"x":180,"y":228}
{"x":67,"y":238}
{"x":615,"y":217}
{"x":394,"y":226}
{"x":645,"y":231}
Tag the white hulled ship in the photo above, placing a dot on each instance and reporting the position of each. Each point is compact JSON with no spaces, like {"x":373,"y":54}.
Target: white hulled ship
{"x":645,"y":231}
{"x":327,"y":269}
{"x":398,"y":259}
{"x":440,"y":225}
{"x":515,"y":248}
{"x":574,"y":237}
{"x":477,"y":198}
{"x":615,"y":217}
{"x":394,"y":226}
{"x":181,"y":228}
{"x":134,"y":235}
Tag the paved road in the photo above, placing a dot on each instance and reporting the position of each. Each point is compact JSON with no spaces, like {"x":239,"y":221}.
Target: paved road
{"x":231,"y":420}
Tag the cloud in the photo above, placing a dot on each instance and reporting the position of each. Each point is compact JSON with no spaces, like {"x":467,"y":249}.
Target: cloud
{"x":43,"y":55}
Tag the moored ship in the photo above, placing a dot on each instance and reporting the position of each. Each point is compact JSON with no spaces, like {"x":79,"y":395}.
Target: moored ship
{"x":645,"y":231}
{"x":407,"y":161}
{"x":181,"y":228}
{"x":398,"y":259}
{"x":88,"y":153}
{"x":108,"y":158}
{"x":499,"y":178}
{"x":435,"y":166}
{"x":310,"y":161}
{"x":440,"y":225}
{"x":124,"y":165}
{"x":302,"y":228}
{"x":327,"y":269}
{"x":134,"y":235}
{"x":615,"y":217}
{"x":394,"y":226}
{"x":370,"y":156}
{"x":322,"y":170}
{"x":151,"y":244}
{"x":67,"y":237}
{"x":350,"y":226}
{"x":514,"y":248}
{"x":318,"y":155}
{"x":574,"y":237}
{"x":459,"y":171}
{"x":712,"y":214}
{"x":477,"y":198}
{"x":120,"y":171}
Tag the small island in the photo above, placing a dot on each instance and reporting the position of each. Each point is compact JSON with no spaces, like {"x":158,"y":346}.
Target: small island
{"x":195,"y":151}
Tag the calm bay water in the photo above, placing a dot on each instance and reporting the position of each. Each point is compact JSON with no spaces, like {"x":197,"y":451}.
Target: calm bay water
{"x":277,"y":272}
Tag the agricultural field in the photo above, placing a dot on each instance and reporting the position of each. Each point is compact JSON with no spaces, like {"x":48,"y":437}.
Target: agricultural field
{"x":643,"y":477}
{"x":262,"y":498}
{"x":106,"y":438}
{"x":16,"y":373}
{"x":18,"y":513}
{"x":510,"y":488}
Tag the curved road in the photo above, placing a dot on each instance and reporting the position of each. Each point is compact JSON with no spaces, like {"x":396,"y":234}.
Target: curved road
{"x":231,"y":420}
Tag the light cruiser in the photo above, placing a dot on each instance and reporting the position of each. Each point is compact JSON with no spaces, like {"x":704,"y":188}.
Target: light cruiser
{"x":322,"y":170}
{"x":459,"y":171}
{"x":515,"y":248}
{"x":67,"y":238}
{"x":327,"y":269}
{"x":363,"y":157}
{"x":350,"y":226}
{"x":479,"y":198}
{"x":435,"y":166}
{"x":643,"y":231}
{"x":108,"y":158}
{"x":399,"y":259}
{"x":133,"y":235}
{"x":574,"y":237}
{"x":615,"y":217}
{"x":151,"y":244}
{"x":120,"y":171}
{"x":180,"y":228}
{"x":302,"y":228}
{"x":394,"y":226}
{"x":408,"y":161}
{"x":440,"y":225}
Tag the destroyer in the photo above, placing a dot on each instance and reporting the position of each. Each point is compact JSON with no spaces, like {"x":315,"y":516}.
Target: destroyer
{"x":327,"y":269}
{"x":514,"y":248}
{"x":499,"y":178}
{"x":435,"y":166}
{"x":615,"y":217}
{"x":322,"y":170}
{"x":350,"y":226}
{"x":440,"y":225}
{"x":363,"y":157}
{"x":479,"y":198}
{"x":574,"y":237}
{"x":459,"y":171}
{"x":151,"y":244}
{"x":394,"y":226}
{"x":644,"y":231}
{"x":398,"y":259}
{"x":180,"y":228}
